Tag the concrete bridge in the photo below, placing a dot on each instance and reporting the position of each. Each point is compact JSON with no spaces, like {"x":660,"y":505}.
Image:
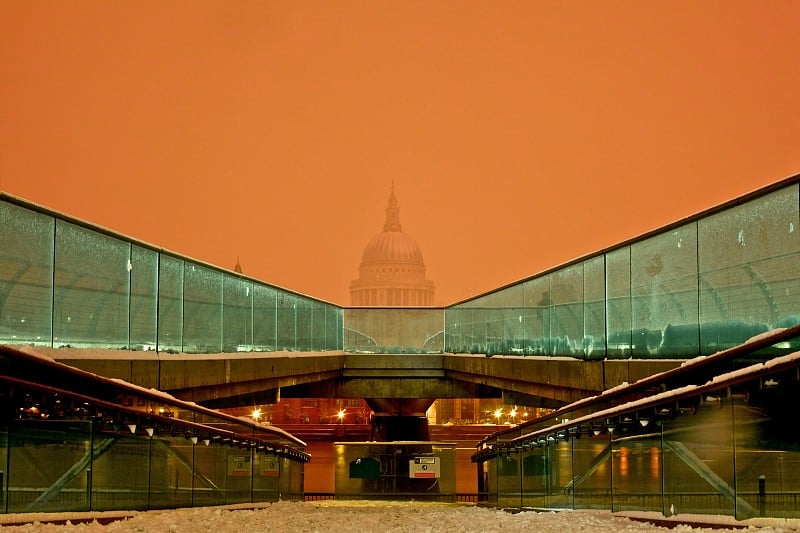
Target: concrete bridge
{"x":79,"y":293}
{"x":231,"y":380}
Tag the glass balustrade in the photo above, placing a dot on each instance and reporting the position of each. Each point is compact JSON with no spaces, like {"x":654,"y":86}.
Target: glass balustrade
{"x":690,"y":289}
{"x":64,"y":283}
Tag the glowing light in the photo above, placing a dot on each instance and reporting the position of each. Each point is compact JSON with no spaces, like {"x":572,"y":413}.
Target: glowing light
{"x":340,"y":415}
{"x":256,"y":414}
{"x":498,"y":414}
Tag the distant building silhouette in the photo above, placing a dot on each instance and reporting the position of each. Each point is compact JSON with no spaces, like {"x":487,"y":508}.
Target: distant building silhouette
{"x":392,"y":271}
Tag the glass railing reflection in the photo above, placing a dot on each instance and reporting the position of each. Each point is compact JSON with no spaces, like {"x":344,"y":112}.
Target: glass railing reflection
{"x":66,"y":283}
{"x":692,"y":289}
{"x":394,"y":330}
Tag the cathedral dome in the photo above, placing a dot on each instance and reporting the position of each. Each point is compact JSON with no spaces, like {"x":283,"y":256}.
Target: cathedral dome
{"x":392,"y":247}
{"x":392,"y":271}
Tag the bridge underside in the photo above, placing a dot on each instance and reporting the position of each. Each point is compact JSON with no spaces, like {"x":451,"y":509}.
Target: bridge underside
{"x":233,"y":380}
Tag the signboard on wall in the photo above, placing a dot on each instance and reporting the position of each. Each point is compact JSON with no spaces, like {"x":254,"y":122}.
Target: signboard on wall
{"x":239,"y":465}
{"x":270,"y":466}
{"x":424,"y":467}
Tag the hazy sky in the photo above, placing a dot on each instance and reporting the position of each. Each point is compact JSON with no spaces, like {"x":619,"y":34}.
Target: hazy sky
{"x":519,"y":135}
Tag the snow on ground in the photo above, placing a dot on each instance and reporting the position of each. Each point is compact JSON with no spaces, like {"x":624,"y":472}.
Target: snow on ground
{"x":379,"y":516}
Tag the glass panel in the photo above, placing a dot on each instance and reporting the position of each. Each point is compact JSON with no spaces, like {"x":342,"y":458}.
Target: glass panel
{"x":291,"y":480}
{"x":3,"y":464}
{"x":594,"y":316}
{"x":287,"y":321}
{"x":479,"y":327}
{"x":305,"y":310}
{"x":566,"y":303}
{"x":26,"y":276}
{"x":393,"y":330}
{"x":536,"y":320}
{"x":592,"y":482}
{"x":340,"y":329}
{"x":297,"y":477}
{"x":120,"y":472}
{"x":210,"y":475}
{"x":618,"y":303}
{"x":239,"y":475}
{"x":317,"y":326}
{"x":170,"y":304}
{"x":535,"y":477}
{"x":494,"y":318}
{"x":560,"y":475}
{"x":237,"y":314}
{"x":449,"y":316}
{"x":490,"y":477}
{"x":91,"y":288}
{"x":223,"y":472}
{"x":202,"y":309}
{"x":144,"y":298}
{"x":513,"y":329}
{"x":264,"y":318}
{"x":664,"y":294}
{"x":454,"y":320}
{"x":494,"y":322}
{"x":172,"y":465}
{"x":749,"y":269}
{"x":332,"y":327}
{"x":266,"y":480}
{"x":699,"y":460}
{"x":637,"y":467}
{"x":767,"y":455}
{"x":509,"y":480}
{"x":49,"y":465}
{"x":467,"y":328}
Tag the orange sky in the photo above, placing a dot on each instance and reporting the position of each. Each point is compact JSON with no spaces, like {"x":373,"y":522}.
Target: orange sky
{"x":519,"y":135}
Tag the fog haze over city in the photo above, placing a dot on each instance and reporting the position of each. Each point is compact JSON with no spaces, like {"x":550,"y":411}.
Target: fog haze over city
{"x":518,"y":136}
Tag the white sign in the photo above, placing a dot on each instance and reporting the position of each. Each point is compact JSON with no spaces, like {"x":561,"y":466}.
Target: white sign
{"x":270,"y":466}
{"x":424,"y":467}
{"x":238,"y":465}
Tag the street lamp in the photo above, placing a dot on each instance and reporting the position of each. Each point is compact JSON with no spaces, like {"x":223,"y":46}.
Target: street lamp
{"x":340,"y":415}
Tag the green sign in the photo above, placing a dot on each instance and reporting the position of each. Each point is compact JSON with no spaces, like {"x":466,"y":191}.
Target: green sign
{"x":365,"y":468}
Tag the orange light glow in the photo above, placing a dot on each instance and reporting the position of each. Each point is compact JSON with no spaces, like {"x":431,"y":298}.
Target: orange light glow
{"x":519,"y":135}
